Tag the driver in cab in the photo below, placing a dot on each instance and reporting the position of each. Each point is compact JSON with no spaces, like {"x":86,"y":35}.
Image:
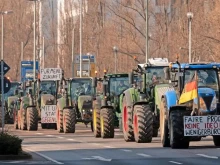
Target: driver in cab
{"x":121,"y":87}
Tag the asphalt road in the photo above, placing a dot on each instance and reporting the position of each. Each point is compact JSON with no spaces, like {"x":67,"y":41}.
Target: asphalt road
{"x":81,"y":148}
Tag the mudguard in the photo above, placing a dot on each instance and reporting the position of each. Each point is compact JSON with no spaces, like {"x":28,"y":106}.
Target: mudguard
{"x":131,"y":96}
{"x":12,"y":99}
{"x":61,"y":103}
{"x":171,"y":99}
{"x":85,"y":102}
{"x":25,"y":102}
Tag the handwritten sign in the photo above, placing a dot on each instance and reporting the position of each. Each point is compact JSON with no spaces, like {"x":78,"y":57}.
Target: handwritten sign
{"x":202,"y":125}
{"x":50,"y":74}
{"x":48,"y":114}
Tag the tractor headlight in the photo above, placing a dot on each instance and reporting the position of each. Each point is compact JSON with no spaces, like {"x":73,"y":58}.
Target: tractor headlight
{"x":90,"y":110}
{"x":202,"y":104}
{"x":213,"y":104}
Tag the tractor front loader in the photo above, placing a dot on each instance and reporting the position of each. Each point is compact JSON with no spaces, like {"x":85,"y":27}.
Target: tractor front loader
{"x":192,"y":109}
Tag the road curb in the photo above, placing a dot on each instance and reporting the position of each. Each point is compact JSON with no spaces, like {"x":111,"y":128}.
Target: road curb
{"x":23,"y":156}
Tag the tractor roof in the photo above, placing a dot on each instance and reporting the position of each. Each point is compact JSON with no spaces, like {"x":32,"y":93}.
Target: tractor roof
{"x":155,"y":62}
{"x":197,"y":65}
{"x":118,"y":75}
{"x":81,"y":78}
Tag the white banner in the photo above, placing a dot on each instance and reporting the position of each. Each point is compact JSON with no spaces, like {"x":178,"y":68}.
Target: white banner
{"x":48,"y":114}
{"x":202,"y":125}
{"x":50,"y":74}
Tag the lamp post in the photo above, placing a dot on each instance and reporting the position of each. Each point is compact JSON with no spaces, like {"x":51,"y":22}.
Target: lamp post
{"x":2,"y":69}
{"x":80,"y":46}
{"x":147,"y":38}
{"x":73,"y":43}
{"x":190,"y":16}
{"x":115,"y":49}
{"x":34,"y":58}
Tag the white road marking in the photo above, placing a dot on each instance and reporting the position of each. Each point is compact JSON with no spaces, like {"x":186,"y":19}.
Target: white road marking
{"x":39,"y":133}
{"x":98,"y":158}
{"x":126,"y":150}
{"x":207,"y":156}
{"x":175,"y":162}
{"x":118,"y":134}
{"x":46,"y":157}
{"x":144,"y":155}
{"x":60,"y":137}
{"x":49,"y":135}
{"x":109,"y":147}
{"x":97,"y":144}
{"x":71,"y":139}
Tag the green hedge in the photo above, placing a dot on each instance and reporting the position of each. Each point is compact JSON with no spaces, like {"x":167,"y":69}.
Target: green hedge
{"x":9,"y":144}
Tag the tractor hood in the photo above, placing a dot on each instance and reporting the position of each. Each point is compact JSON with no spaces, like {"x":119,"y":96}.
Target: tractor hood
{"x":47,"y":99}
{"x":207,"y":99}
{"x":85,"y":102}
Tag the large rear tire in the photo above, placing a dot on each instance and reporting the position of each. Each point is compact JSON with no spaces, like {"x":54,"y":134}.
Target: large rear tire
{"x":143,"y":123}
{"x":59,"y":120}
{"x":164,"y":130}
{"x":177,"y":139}
{"x":69,"y":120}
{"x":127,"y":122}
{"x":96,"y":121}
{"x":32,"y":119}
{"x":23,"y":119}
{"x":107,"y":123}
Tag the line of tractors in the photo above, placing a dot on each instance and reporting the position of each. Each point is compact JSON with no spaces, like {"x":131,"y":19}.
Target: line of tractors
{"x":141,"y":103}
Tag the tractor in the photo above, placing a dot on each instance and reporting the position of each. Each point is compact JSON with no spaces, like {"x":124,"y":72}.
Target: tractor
{"x":191,"y":110}
{"x":107,"y":106}
{"x":78,"y":96}
{"x":25,"y":111}
{"x":140,"y":112}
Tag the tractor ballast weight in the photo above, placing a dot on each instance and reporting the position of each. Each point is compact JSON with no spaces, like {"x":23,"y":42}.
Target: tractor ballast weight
{"x":178,"y":113}
{"x":140,"y":113}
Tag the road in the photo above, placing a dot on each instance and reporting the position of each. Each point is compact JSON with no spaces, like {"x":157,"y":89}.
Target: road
{"x":81,"y":148}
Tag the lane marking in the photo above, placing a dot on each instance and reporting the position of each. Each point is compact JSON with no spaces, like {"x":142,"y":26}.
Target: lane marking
{"x":49,"y":135}
{"x":60,"y":137}
{"x":126,"y":150}
{"x":71,"y":139}
{"x":96,"y":144}
{"x":118,"y":134}
{"x":39,"y":133}
{"x":175,"y":162}
{"x":207,"y":156}
{"x":44,"y":156}
{"x":144,"y":155}
{"x":109,"y":147}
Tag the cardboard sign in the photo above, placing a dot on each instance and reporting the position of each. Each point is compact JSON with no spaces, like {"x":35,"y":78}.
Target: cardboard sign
{"x":50,"y":74}
{"x":202,"y":125}
{"x":48,"y":114}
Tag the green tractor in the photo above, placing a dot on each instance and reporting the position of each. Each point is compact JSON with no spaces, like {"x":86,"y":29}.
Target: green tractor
{"x":75,"y":105}
{"x":140,"y":114}
{"x":25,"y":110}
{"x":107,"y":106}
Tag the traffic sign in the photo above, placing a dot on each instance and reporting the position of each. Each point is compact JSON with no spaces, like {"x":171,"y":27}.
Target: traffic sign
{"x":7,"y":85}
{"x":6,"y":68}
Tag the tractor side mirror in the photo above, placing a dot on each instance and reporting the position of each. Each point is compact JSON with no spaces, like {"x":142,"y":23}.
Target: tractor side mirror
{"x":131,"y":78}
{"x":167,"y":73}
{"x":94,"y":82}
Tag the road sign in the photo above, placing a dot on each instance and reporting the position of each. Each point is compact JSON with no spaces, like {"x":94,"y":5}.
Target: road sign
{"x":7,"y":85}
{"x":6,"y":68}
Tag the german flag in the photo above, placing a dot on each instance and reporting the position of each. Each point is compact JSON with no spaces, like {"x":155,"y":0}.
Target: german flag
{"x":190,"y":92}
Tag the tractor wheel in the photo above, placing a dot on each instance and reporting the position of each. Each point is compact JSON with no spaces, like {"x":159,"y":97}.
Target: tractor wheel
{"x":216,"y":140}
{"x":69,"y":120}
{"x":96,"y":122}
{"x":143,"y":124}
{"x":59,"y":120}
{"x":92,"y":126}
{"x":177,"y":139}
{"x":32,"y":119}
{"x":164,"y":130}
{"x":15,"y":119}
{"x":23,"y":119}
{"x":107,"y":123}
{"x":127,"y":122}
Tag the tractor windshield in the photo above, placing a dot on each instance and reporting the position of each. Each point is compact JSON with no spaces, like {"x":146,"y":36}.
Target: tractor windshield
{"x":14,"y":86}
{"x":81,"y":87}
{"x":48,"y":87}
{"x":155,"y":74}
{"x":118,"y":85}
{"x":206,"y":78}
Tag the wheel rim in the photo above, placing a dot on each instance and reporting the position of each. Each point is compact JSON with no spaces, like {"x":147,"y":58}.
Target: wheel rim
{"x":125,"y":115}
{"x":135,"y":123}
{"x":102,"y":124}
{"x":94,"y":119}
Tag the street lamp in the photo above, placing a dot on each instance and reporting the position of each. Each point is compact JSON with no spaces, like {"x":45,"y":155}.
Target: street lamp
{"x":190,"y":17}
{"x":34,"y":58}
{"x":147,"y":45}
{"x":115,"y":49}
{"x":2,"y":69}
{"x":89,"y":55}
